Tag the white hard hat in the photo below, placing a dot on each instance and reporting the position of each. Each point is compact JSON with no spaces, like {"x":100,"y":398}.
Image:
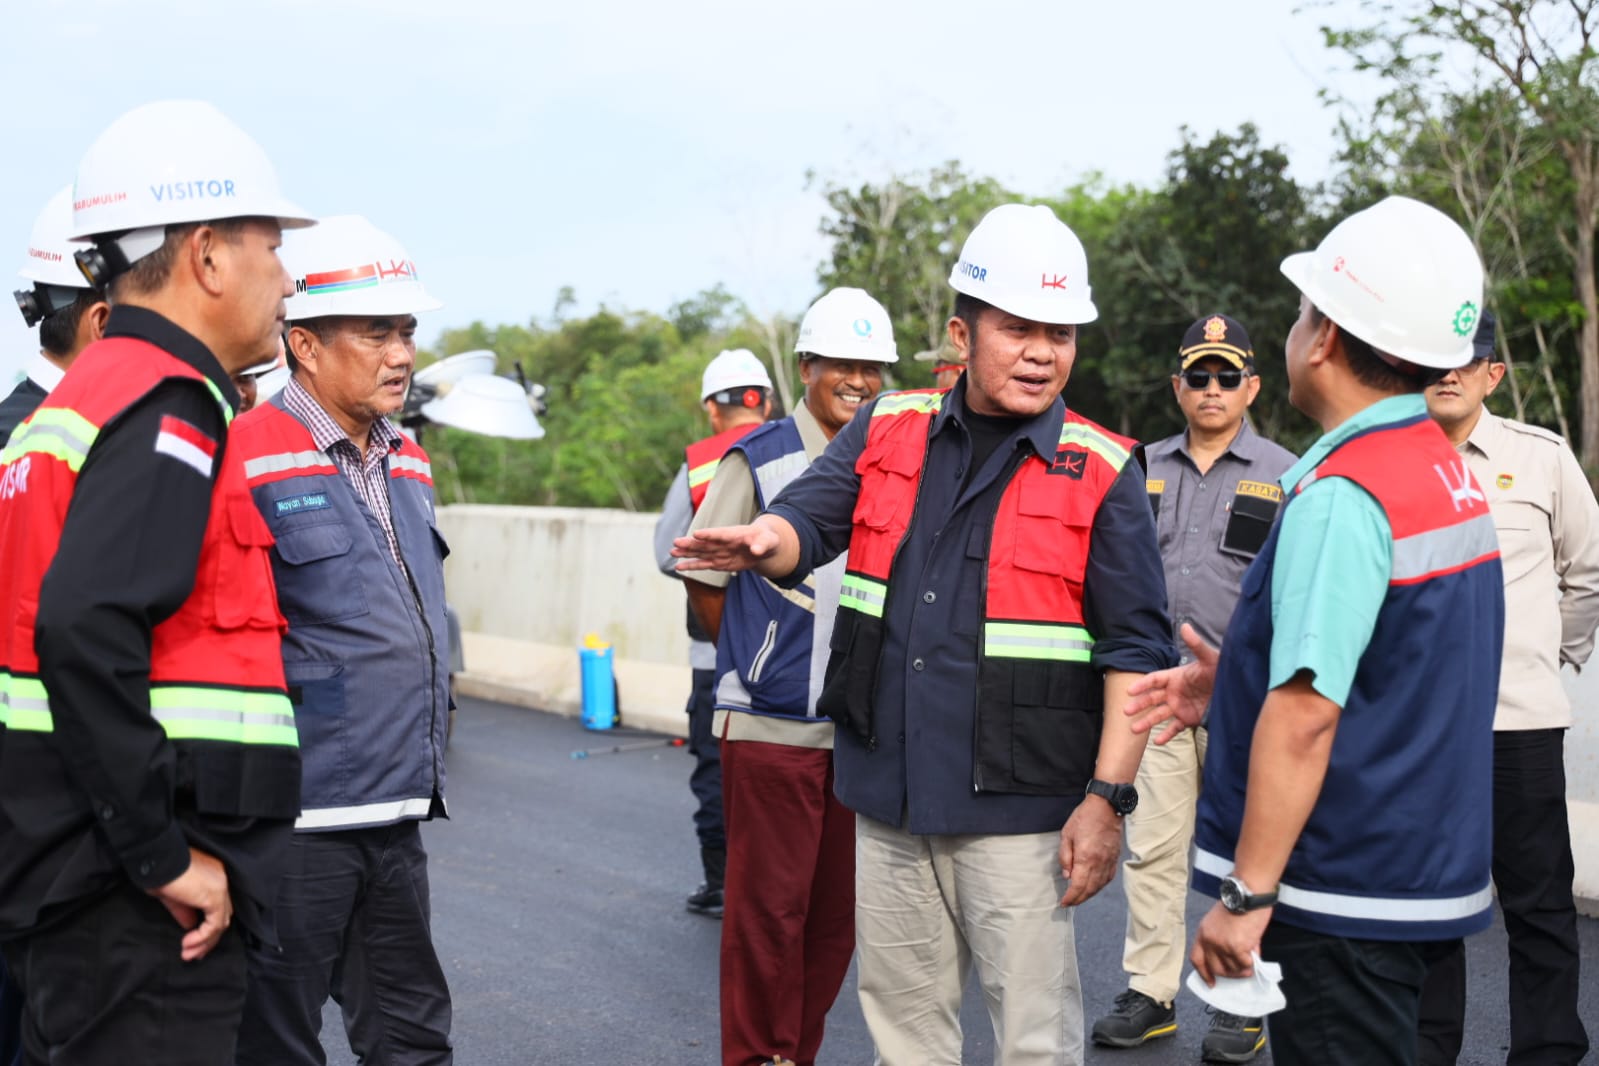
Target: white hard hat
{"x":736,"y":368}
{"x":1401,"y":276}
{"x":347,"y":266}
{"x":847,"y":324}
{"x":57,"y":281}
{"x":1026,"y":261}
{"x":486,"y":404}
{"x":168,"y":163}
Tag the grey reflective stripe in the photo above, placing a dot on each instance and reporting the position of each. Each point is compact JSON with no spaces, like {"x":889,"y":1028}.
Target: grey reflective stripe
{"x":1369,"y":908}
{"x":208,"y":714}
{"x":731,"y":693}
{"x":1022,"y":640}
{"x":774,"y":476}
{"x":863,"y":594}
{"x":273,"y":464}
{"x":406,"y":462}
{"x":1442,"y":550}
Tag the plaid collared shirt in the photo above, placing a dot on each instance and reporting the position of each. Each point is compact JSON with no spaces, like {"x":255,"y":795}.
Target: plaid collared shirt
{"x":370,"y":473}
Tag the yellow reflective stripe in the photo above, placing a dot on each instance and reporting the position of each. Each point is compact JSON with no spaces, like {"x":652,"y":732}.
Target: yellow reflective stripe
{"x":195,"y":712}
{"x":1096,"y":442}
{"x":1037,"y":640}
{"x":24,"y":705}
{"x":56,"y":432}
{"x":899,"y":403}
{"x":222,"y":402}
{"x":699,"y":475}
{"x":863,"y":594}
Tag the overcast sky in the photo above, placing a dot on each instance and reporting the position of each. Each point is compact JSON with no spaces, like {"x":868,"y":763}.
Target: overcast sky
{"x":641,"y":152}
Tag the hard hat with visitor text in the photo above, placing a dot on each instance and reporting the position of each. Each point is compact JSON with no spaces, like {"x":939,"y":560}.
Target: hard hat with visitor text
{"x":732,"y":371}
{"x":1024,"y":260}
{"x":847,"y":324}
{"x":57,"y":282}
{"x":1401,"y":276}
{"x":347,"y":266}
{"x":163,"y":164}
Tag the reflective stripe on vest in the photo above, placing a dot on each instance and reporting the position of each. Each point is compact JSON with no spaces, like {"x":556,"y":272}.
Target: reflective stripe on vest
{"x":56,"y":432}
{"x":898,"y":403}
{"x":1037,"y":640}
{"x":203,"y":712}
{"x":1443,"y":551}
{"x":702,"y":474}
{"x":1093,"y":440}
{"x":289,"y":464}
{"x":402,"y":465}
{"x":863,"y":594}
{"x":24,"y":705}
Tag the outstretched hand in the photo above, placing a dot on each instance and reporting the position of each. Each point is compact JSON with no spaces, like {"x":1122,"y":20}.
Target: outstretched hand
{"x":1178,"y":696}
{"x":729,"y":548}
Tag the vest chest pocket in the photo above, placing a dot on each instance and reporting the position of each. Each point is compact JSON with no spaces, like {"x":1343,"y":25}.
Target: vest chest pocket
{"x":888,"y":486}
{"x":1050,"y":536}
{"x":242,"y":595}
{"x":318,"y":582}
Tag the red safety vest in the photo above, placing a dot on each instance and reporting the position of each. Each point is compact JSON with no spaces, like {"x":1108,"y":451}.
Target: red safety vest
{"x":1035,"y":647}
{"x":216,"y":670}
{"x":703,"y":457}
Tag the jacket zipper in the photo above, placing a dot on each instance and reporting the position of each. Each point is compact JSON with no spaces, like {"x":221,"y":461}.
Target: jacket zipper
{"x":765,"y":653}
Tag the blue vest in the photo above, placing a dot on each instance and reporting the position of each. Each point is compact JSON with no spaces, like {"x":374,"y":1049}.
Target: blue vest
{"x":1398,"y":845}
{"x":773,"y":644}
{"x":365,"y":655}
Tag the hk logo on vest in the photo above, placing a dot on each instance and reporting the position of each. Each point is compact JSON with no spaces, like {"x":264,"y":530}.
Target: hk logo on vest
{"x":1457,"y":481}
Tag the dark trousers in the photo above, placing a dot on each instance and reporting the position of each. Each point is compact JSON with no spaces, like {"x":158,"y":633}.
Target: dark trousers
{"x":706,"y":780}
{"x":354,"y":922}
{"x":10,"y":1020}
{"x":789,"y":928}
{"x":1349,"y":1001}
{"x":1533,"y":872}
{"x":107,"y":986}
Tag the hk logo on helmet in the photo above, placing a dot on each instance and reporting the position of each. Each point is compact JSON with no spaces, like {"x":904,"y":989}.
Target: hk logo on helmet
{"x":863,"y":327}
{"x":1052,"y":281}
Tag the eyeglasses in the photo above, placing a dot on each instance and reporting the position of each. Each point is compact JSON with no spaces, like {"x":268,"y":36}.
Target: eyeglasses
{"x":1199,"y":380}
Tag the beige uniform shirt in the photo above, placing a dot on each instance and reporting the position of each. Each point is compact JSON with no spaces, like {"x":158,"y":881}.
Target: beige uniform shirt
{"x":730,"y":501}
{"x":1548,"y":526}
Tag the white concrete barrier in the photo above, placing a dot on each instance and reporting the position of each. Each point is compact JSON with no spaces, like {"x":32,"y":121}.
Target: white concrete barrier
{"x":530,"y":582}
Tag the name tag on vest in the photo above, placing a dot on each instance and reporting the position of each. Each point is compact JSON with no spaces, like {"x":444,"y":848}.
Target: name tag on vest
{"x":307,"y":501}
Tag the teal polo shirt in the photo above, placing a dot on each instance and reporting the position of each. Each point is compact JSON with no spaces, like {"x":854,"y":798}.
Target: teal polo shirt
{"x":1334,"y":559}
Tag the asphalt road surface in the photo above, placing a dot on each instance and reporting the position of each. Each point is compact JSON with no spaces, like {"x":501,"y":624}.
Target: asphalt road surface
{"x":558,"y":890}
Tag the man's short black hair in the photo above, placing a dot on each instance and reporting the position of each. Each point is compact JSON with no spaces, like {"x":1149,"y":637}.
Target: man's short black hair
{"x":1378,"y":370}
{"x":58,"y":333}
{"x":151,"y":272}
{"x":969,"y":309}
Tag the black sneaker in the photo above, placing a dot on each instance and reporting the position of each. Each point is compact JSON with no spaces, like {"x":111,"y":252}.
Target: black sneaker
{"x":1134,"y":1020}
{"x":1231,"y":1038}
{"x":705,"y":900}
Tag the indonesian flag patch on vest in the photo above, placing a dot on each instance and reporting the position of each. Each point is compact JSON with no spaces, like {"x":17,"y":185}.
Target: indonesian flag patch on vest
{"x":186,"y":444}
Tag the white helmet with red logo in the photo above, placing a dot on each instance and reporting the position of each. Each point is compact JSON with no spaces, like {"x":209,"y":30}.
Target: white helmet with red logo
{"x":57,"y":282}
{"x":163,"y":164}
{"x":347,"y":266}
{"x":1024,"y":260}
{"x":1401,"y":276}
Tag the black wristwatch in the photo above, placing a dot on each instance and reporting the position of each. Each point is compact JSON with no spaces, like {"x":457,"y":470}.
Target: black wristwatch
{"x":1236,"y":897}
{"x":1123,"y":799}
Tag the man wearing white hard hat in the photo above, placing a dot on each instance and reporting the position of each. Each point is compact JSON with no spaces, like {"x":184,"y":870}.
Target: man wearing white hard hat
{"x":149,"y":770}
{"x":1003,"y":590}
{"x":788,"y":929}
{"x":70,"y":314}
{"x":359,"y":566}
{"x":735,"y":391}
{"x":1344,"y":821}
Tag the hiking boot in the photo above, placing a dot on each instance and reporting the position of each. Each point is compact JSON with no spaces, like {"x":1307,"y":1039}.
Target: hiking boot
{"x":707,"y":899}
{"x":1232,"y":1038}
{"x":1134,"y":1020}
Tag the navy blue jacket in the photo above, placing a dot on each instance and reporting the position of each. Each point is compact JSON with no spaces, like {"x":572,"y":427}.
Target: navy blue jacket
{"x":365,"y":655}
{"x":920,"y":775}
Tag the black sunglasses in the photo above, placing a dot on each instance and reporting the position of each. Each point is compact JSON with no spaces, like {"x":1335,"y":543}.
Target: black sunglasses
{"x":1199,"y":380}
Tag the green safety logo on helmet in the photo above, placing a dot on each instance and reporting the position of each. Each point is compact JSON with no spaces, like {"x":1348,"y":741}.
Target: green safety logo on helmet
{"x":1465,"y":319}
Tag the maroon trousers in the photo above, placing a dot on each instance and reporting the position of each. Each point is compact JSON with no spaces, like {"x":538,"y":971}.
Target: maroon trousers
{"x":788,"y":929}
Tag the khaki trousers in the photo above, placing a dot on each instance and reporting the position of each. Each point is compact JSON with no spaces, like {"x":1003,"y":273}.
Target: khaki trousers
{"x":931,"y":908}
{"x":1155,"y":876}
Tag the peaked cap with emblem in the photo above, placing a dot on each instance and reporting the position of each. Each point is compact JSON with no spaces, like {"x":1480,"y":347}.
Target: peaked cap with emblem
{"x":1216,"y":336}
